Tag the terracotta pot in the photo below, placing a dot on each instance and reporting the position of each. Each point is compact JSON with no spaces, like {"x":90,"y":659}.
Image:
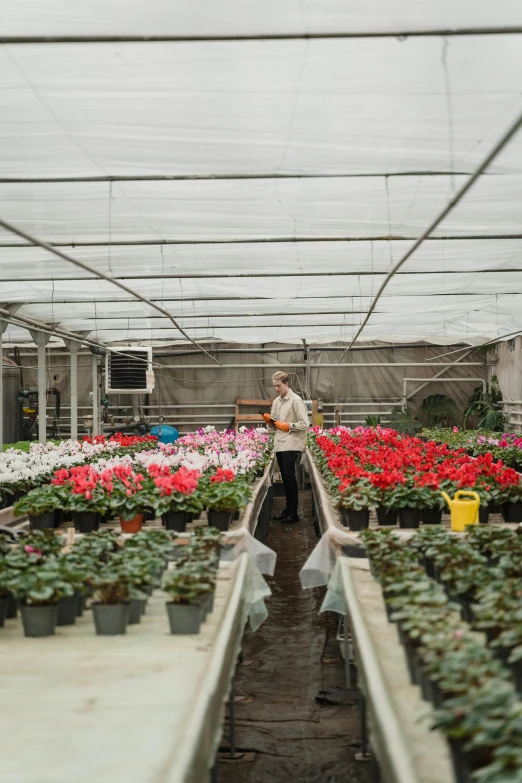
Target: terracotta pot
{"x":133,"y":525}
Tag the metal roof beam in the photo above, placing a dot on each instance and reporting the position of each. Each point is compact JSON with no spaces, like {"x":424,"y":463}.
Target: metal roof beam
{"x":297,"y":36}
{"x":257,"y":241}
{"x":234,"y":275}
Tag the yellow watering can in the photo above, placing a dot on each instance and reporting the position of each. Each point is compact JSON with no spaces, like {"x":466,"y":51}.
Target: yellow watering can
{"x":463,"y":512}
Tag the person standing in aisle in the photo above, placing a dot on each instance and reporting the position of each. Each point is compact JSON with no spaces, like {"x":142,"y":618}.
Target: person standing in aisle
{"x":289,"y":417}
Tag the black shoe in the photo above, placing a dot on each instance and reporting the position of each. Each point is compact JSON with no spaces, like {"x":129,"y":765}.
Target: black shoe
{"x":290,"y":519}
{"x":282,"y":515}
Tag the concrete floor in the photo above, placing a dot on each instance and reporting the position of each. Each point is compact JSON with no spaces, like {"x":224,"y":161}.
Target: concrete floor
{"x":285,"y":734}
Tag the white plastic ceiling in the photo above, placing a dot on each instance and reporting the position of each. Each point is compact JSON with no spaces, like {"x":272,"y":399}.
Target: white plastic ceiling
{"x":303,"y":167}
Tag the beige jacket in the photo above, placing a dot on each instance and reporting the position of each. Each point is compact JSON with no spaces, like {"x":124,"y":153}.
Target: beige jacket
{"x":291,"y":409}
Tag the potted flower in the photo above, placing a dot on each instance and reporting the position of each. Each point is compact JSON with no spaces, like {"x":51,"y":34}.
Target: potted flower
{"x":176,"y":499}
{"x":111,"y":599}
{"x":187,"y":589}
{"x":129,"y":498}
{"x":141,"y":574}
{"x":410,"y":502}
{"x":40,"y":505}
{"x":75,"y":570}
{"x":510,"y":498}
{"x":5,"y":591}
{"x":225,"y":493}
{"x":355,"y":502}
{"x":84,"y":496}
{"x":39,"y":589}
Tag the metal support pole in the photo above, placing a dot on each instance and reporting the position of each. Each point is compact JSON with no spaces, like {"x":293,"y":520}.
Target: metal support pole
{"x":73,"y":346}
{"x":41,"y":339}
{"x":347,"y":664}
{"x":232,"y":718}
{"x":95,"y":402}
{"x":365,"y":754}
{"x":3,"y":327}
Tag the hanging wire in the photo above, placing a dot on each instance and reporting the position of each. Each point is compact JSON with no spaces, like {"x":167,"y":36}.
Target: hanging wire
{"x":110,"y":229}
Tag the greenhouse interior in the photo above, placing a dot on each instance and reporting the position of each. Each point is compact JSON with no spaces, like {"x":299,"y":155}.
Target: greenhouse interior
{"x":261,"y":391}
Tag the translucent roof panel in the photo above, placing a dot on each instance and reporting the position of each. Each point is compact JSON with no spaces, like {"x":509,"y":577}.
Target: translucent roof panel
{"x":247,"y":17}
{"x":259,"y":185}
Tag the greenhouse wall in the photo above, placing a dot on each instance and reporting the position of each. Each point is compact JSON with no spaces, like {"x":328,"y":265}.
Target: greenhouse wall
{"x":197,"y":387}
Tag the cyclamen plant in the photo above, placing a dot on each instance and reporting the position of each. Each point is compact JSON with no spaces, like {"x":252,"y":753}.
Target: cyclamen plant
{"x":377,"y":466}
{"x":175,"y":491}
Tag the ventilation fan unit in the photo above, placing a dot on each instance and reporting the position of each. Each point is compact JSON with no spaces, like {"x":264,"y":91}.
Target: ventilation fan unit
{"x":129,"y":371}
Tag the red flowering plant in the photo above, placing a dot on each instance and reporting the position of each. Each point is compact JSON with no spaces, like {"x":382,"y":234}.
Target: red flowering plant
{"x":370,"y":467}
{"x":81,"y":489}
{"x":176,"y":491}
{"x":224,"y":491}
{"x":118,"y":489}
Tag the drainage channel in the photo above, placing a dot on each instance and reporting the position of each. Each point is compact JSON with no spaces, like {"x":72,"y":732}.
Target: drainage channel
{"x":295,"y":721}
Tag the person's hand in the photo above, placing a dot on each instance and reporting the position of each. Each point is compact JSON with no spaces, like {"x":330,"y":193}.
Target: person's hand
{"x":282,"y":425}
{"x":267,"y":418}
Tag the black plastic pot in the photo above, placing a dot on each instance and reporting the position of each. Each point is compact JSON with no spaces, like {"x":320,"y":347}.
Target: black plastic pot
{"x":136,"y":607}
{"x":516,"y":668}
{"x":512,"y":512}
{"x":465,"y":763}
{"x":355,"y":520}
{"x":42,"y":521}
{"x":432,"y":516}
{"x":12,"y":608}
{"x":80,"y":604}
{"x":61,"y":516}
{"x":220,"y":519}
{"x":465,"y":609}
{"x":86,"y":521}
{"x":184,"y":618}
{"x":208,"y":603}
{"x":39,"y":620}
{"x":175,"y":520}
{"x":67,"y":610}
{"x":409,"y":517}
{"x":386,"y":517}
{"x":110,"y":619}
{"x":411,"y":659}
{"x":429,"y":565}
{"x":483,"y":515}
{"x":3,"y":611}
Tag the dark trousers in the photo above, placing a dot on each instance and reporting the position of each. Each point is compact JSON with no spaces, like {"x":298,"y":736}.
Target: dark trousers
{"x":286,"y":461}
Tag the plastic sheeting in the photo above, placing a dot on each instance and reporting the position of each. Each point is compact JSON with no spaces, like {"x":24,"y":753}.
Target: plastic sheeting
{"x":332,"y":156}
{"x":196,"y":17}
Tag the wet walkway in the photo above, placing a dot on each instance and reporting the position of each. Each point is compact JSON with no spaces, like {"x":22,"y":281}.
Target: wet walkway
{"x":285,"y":734}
